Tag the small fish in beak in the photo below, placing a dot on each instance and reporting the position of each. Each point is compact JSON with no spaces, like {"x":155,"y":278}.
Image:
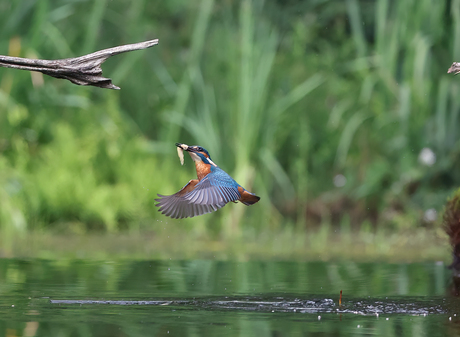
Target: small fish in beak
{"x":180,"y":152}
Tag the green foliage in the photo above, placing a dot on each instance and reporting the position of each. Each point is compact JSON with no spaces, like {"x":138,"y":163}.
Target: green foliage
{"x":284,"y":96}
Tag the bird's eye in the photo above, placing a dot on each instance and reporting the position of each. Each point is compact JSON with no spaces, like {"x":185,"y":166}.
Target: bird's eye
{"x":200,"y":148}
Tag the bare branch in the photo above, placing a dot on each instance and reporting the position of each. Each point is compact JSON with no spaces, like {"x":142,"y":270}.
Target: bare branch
{"x":454,"y":68}
{"x":83,"y":70}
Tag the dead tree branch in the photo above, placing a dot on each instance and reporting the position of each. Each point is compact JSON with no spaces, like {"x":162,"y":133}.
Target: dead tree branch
{"x":454,"y":68}
{"x":83,"y":70}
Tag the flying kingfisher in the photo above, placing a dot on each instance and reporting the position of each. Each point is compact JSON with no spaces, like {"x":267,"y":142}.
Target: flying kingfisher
{"x":213,"y":189}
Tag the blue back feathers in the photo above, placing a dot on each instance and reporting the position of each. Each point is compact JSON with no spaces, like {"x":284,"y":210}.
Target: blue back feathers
{"x":221,"y":178}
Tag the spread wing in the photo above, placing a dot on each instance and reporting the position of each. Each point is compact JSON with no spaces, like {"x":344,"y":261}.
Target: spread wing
{"x":197,"y":198}
{"x":215,"y":189}
{"x":178,"y":208}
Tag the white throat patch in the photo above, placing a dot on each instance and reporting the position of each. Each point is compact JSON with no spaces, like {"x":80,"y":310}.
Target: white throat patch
{"x":194,"y":156}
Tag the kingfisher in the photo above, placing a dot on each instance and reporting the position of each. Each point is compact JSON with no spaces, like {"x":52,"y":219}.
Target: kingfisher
{"x":213,"y":189}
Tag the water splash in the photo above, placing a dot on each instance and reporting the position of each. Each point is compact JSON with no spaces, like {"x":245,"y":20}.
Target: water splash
{"x":367,"y":307}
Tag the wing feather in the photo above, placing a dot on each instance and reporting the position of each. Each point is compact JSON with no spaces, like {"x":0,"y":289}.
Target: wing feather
{"x":209,"y":194}
{"x":216,"y":188}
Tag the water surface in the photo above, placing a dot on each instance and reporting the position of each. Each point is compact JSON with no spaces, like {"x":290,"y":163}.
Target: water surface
{"x":213,"y":298}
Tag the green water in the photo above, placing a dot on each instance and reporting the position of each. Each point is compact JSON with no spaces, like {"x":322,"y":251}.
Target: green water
{"x":213,"y":298}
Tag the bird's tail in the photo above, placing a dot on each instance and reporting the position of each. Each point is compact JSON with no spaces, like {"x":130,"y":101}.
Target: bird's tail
{"x":248,"y":198}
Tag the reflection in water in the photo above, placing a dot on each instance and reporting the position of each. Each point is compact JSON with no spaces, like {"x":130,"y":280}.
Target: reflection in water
{"x":215,"y":298}
{"x":204,"y":278}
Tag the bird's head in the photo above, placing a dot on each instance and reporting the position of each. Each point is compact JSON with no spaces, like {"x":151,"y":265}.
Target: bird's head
{"x":197,"y":153}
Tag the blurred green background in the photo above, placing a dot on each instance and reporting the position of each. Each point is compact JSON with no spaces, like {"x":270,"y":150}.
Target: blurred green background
{"x":338,"y":114}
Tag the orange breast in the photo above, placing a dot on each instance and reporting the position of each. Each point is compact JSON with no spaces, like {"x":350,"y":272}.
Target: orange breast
{"x":202,"y":169}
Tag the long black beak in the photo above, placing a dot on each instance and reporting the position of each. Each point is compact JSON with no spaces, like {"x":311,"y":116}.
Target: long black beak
{"x":188,"y":147}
